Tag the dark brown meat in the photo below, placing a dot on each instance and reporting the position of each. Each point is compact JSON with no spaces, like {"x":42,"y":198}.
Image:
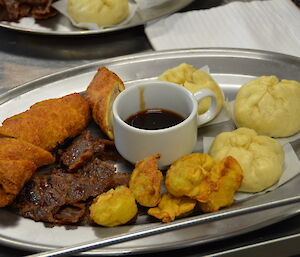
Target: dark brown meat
{"x":60,"y":197}
{"x":86,"y":147}
{"x":81,"y":150}
{"x":16,"y":9}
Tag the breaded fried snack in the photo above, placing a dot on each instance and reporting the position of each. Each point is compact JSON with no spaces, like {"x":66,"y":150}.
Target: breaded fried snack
{"x":101,"y":12}
{"x":113,"y":208}
{"x":189,"y":176}
{"x":145,"y":181}
{"x":261,"y":157}
{"x":13,"y":175}
{"x":50,"y":122}
{"x":269,"y":106}
{"x":228,"y":176}
{"x":171,"y":207}
{"x":101,"y":94}
{"x":194,"y":80}
{"x":15,"y":149}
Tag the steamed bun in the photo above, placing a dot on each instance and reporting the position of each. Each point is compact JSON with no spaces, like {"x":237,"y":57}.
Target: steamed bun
{"x":269,"y":106}
{"x":194,"y":80}
{"x":261,"y":157}
{"x":101,"y":12}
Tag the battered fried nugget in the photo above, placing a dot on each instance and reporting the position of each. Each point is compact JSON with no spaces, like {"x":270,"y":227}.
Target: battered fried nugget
{"x":113,"y":208}
{"x":13,"y":175}
{"x":228,"y":176}
{"x":189,"y":176}
{"x":100,"y":94}
{"x":49,"y":122}
{"x":171,"y":207}
{"x":14,"y":149}
{"x":145,"y":181}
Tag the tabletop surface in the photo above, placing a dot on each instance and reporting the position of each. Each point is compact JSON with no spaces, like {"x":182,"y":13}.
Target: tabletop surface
{"x":25,"y":57}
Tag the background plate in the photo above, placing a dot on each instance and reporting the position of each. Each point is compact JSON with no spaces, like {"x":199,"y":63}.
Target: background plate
{"x":230,"y":68}
{"x":59,"y":24}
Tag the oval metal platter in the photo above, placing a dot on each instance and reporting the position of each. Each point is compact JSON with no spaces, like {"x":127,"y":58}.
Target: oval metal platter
{"x":60,"y":25}
{"x":230,"y":68}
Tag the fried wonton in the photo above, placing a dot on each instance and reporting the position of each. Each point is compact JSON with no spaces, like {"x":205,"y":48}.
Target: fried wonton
{"x":114,"y":207}
{"x":171,"y":207}
{"x":228,"y":176}
{"x":189,"y":176}
{"x":145,"y":181}
{"x":13,"y":175}
{"x":14,"y":149}
{"x":49,"y":122}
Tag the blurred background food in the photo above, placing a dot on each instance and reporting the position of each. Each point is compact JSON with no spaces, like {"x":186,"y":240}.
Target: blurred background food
{"x":101,"y":12}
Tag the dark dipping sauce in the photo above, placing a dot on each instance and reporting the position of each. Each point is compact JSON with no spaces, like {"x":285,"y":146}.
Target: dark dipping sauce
{"x":152,"y":119}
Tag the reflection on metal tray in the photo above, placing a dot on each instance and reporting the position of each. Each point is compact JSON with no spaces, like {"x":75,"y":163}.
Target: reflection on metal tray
{"x":60,"y":25}
{"x":230,"y":68}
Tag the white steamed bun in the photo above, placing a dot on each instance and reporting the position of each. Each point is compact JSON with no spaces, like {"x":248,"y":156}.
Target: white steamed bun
{"x":194,"y":80}
{"x":269,"y":106}
{"x":261,"y":157}
{"x":101,"y":12}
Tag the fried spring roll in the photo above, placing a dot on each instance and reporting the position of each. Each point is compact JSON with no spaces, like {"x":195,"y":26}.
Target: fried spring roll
{"x":50,"y":122}
{"x":14,"y":149}
{"x":13,"y":175}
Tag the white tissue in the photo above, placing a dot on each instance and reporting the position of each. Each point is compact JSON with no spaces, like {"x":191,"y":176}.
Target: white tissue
{"x":264,"y":25}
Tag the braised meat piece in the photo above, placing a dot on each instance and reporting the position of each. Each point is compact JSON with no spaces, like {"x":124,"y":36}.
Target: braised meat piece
{"x":83,"y":148}
{"x":61,"y":197}
{"x":16,"y":9}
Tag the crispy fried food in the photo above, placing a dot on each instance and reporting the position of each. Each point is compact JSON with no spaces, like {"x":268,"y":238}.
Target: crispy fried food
{"x":228,"y":176}
{"x":189,"y":176}
{"x":49,"y":122}
{"x":13,"y":175}
{"x":100,"y":94}
{"x":145,"y":181}
{"x":113,"y":208}
{"x":171,"y":207}
{"x":14,"y":149}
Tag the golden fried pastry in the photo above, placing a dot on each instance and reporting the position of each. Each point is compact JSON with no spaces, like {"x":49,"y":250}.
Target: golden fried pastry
{"x":13,"y":175}
{"x":269,"y":106}
{"x":260,"y":157}
{"x":101,"y":94}
{"x":145,"y":181}
{"x":228,"y":176}
{"x":14,"y":149}
{"x":189,"y":176}
{"x":194,"y":80}
{"x":113,"y":208}
{"x":171,"y":207}
{"x":49,"y":122}
{"x":101,"y":12}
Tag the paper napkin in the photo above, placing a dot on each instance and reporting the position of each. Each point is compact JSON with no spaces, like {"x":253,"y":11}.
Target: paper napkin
{"x":272,"y":25}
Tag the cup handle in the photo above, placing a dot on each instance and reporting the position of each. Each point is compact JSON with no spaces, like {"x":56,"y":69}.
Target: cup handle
{"x":212,"y":111}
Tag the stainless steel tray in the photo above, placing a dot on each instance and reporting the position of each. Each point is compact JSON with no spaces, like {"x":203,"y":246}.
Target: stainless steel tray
{"x":57,"y":25}
{"x":230,"y":68}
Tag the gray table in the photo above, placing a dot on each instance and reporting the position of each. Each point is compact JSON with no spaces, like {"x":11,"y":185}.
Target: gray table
{"x":25,"y":57}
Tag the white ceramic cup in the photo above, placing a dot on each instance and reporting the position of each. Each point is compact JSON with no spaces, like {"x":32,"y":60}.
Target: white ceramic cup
{"x":135,"y":144}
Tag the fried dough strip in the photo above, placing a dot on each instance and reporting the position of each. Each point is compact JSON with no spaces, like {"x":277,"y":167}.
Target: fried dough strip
{"x":13,"y":175}
{"x":49,"y":122}
{"x":14,"y":149}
